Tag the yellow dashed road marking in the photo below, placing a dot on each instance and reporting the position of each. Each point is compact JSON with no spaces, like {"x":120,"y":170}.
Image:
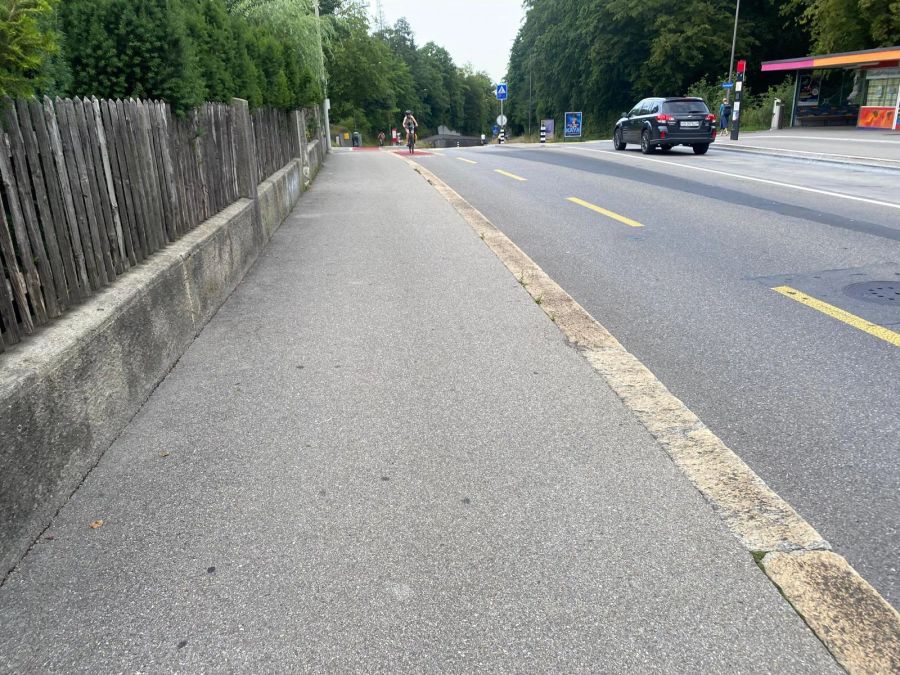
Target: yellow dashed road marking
{"x":509,"y":175}
{"x":839,"y":314}
{"x":605,"y":212}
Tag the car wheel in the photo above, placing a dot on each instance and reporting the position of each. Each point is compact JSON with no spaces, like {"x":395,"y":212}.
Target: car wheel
{"x":618,"y":143}
{"x":701,"y":148}
{"x":646,"y":146}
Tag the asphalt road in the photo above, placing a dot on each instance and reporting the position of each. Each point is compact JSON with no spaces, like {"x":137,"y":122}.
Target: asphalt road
{"x":810,"y":402}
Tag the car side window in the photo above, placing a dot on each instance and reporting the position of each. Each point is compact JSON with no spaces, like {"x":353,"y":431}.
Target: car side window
{"x":636,"y":110}
{"x":653,"y":108}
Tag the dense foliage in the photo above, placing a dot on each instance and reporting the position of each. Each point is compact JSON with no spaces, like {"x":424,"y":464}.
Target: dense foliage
{"x":27,"y":44}
{"x":600,"y":56}
{"x":266,"y":51}
{"x":373,"y":77}
{"x":182,"y":51}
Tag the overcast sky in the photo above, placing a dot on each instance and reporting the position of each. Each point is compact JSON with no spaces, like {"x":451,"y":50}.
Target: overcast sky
{"x":480,"y":32}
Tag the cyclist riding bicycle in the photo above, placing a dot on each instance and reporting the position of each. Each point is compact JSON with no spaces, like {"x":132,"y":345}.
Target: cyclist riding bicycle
{"x":410,"y":124}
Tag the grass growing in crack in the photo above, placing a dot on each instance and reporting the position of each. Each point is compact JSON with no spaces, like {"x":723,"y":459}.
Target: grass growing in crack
{"x":758,"y":556}
{"x":539,"y":299}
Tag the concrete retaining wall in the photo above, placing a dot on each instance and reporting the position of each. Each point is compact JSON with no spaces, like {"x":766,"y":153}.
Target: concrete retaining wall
{"x":67,"y":392}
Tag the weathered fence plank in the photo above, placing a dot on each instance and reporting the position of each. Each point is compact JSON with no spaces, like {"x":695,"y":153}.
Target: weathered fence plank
{"x":177,"y":143}
{"x":212,"y":160}
{"x":142,"y":211}
{"x":156,"y":223}
{"x":168,"y":168}
{"x":42,"y":202}
{"x":183,"y":152}
{"x":57,"y":208}
{"x":26,"y":256}
{"x":97,"y":181}
{"x":87,"y":221}
{"x":50,"y":269}
{"x":159,"y":171}
{"x":120,"y":184}
{"x":82,"y":254}
{"x":106,"y":184}
{"x":181,"y":148}
{"x":201,"y":165}
{"x":16,"y":282}
{"x":87,"y":181}
{"x":9,"y":331}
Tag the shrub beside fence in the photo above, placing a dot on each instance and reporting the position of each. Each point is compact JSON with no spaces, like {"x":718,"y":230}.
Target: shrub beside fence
{"x":92,"y":188}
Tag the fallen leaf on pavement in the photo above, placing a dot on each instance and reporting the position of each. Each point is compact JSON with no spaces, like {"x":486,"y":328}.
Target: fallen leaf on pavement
{"x":97,"y":524}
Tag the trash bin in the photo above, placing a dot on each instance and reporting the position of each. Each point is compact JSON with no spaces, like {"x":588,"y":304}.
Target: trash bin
{"x":777,"y":112}
{"x":357,"y":139}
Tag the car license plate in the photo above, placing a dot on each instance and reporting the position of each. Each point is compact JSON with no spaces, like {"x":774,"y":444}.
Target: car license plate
{"x":690,"y":124}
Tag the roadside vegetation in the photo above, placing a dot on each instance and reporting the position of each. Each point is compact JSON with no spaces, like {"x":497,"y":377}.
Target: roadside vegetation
{"x":266,"y":51}
{"x":597,"y":56}
{"x":601,"y":56}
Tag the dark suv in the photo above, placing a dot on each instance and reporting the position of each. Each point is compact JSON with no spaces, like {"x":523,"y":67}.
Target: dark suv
{"x":665,"y":122}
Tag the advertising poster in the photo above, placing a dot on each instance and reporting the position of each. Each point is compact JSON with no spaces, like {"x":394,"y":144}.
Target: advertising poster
{"x":876,"y":118}
{"x":573,"y":125}
{"x":550,"y":126}
{"x":808,"y":93}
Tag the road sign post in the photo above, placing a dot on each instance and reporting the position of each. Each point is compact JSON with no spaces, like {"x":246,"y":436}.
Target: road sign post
{"x":738,"y":93}
{"x":502,"y":93}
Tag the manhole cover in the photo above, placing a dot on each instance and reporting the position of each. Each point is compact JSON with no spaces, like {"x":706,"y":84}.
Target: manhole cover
{"x":882,"y":292}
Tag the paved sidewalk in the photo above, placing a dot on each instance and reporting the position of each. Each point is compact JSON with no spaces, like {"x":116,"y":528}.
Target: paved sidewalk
{"x":381,"y":455}
{"x":842,"y":145}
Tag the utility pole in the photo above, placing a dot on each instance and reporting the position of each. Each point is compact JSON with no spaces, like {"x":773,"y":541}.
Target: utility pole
{"x":326,"y":105}
{"x":737,"y":11}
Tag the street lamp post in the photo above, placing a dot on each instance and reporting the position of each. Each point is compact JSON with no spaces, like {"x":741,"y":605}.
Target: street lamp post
{"x":737,"y":11}
{"x":326,"y":105}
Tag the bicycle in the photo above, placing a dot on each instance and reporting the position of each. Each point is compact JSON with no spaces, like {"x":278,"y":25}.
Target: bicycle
{"x":411,"y":139}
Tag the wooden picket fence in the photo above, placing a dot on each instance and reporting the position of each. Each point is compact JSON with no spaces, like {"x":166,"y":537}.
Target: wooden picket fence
{"x":91,"y":188}
{"x":276,"y":142}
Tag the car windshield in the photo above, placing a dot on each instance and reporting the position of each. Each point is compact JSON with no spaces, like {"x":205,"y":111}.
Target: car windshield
{"x":686,"y":107}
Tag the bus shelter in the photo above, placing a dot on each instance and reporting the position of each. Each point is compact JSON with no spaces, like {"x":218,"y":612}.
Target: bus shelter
{"x":860,"y":89}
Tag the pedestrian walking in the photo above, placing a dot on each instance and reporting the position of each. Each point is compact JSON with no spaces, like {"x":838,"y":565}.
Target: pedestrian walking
{"x":724,"y":115}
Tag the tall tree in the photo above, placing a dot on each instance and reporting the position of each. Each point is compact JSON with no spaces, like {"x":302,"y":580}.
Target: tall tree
{"x":850,"y":25}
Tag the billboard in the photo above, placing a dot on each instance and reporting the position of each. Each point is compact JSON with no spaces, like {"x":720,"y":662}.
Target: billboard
{"x":573,"y":125}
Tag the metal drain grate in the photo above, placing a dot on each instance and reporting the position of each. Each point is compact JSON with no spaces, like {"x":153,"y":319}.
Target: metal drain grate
{"x":881,"y":292}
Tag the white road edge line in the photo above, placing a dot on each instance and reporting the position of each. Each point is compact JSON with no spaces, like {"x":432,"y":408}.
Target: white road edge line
{"x":839,"y":195}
